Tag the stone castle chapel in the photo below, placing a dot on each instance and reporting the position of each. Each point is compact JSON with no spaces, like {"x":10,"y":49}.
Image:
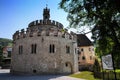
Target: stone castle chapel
{"x":44,"y":48}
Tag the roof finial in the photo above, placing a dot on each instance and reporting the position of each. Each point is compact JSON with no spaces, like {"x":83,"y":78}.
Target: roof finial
{"x":46,"y":12}
{"x":46,"y":3}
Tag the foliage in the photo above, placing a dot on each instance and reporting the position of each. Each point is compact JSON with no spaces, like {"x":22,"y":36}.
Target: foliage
{"x":97,"y":66}
{"x":5,"y":42}
{"x":117,"y":70}
{"x":103,"y":16}
{"x":1,"y":57}
{"x":84,"y":75}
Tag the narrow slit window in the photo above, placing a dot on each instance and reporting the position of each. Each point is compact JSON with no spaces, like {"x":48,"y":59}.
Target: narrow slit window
{"x":20,"y":49}
{"x":67,"y":49}
{"x":33,"y":48}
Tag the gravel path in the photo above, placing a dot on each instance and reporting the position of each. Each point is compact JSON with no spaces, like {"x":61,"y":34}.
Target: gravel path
{"x":5,"y":75}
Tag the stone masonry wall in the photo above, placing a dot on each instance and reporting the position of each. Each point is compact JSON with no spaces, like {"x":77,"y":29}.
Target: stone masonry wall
{"x":43,"y":61}
{"x":43,"y":33}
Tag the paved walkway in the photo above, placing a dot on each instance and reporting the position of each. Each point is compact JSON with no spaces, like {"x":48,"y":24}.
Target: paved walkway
{"x":4,"y":70}
{"x":65,"y":78}
{"x":5,"y":75}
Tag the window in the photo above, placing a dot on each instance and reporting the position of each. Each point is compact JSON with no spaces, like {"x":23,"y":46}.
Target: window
{"x":81,"y":49}
{"x":20,"y":49}
{"x":52,"y":48}
{"x":33,"y":48}
{"x":9,"y":53}
{"x":66,"y":64}
{"x":83,"y":58}
{"x":90,"y":57}
{"x":67,"y":49}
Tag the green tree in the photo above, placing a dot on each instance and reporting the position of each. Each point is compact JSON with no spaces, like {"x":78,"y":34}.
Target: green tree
{"x":103,"y":16}
{"x":5,"y":42}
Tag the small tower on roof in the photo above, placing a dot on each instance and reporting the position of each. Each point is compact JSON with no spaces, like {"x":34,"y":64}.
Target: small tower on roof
{"x":46,"y":14}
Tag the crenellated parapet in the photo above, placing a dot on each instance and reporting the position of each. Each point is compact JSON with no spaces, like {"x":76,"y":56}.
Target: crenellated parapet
{"x":44,"y":27}
{"x":54,"y":33}
{"x":46,"y":22}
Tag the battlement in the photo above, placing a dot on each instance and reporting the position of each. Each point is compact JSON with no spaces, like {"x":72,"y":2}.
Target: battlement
{"x":55,"y":33}
{"x":46,"y":22}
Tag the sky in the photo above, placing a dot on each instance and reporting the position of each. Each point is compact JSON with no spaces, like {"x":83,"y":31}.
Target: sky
{"x":17,"y":14}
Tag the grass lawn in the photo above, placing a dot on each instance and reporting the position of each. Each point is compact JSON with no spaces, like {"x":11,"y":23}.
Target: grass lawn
{"x":117,"y":70}
{"x":84,"y":75}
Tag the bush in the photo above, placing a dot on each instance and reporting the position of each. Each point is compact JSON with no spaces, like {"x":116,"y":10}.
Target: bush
{"x":96,"y":66}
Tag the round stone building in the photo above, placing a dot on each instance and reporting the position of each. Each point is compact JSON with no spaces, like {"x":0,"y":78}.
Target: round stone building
{"x":44,"y":48}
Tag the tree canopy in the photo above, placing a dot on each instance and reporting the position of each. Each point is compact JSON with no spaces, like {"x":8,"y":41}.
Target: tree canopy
{"x":103,"y":15}
{"x":5,"y":42}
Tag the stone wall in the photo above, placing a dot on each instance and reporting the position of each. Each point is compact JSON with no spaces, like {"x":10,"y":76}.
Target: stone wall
{"x":43,"y":61}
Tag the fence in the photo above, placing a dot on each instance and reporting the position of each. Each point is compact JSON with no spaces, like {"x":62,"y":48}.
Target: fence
{"x":107,"y":75}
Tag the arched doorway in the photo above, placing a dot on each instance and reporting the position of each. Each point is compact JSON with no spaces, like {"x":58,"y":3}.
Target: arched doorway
{"x":68,"y":67}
